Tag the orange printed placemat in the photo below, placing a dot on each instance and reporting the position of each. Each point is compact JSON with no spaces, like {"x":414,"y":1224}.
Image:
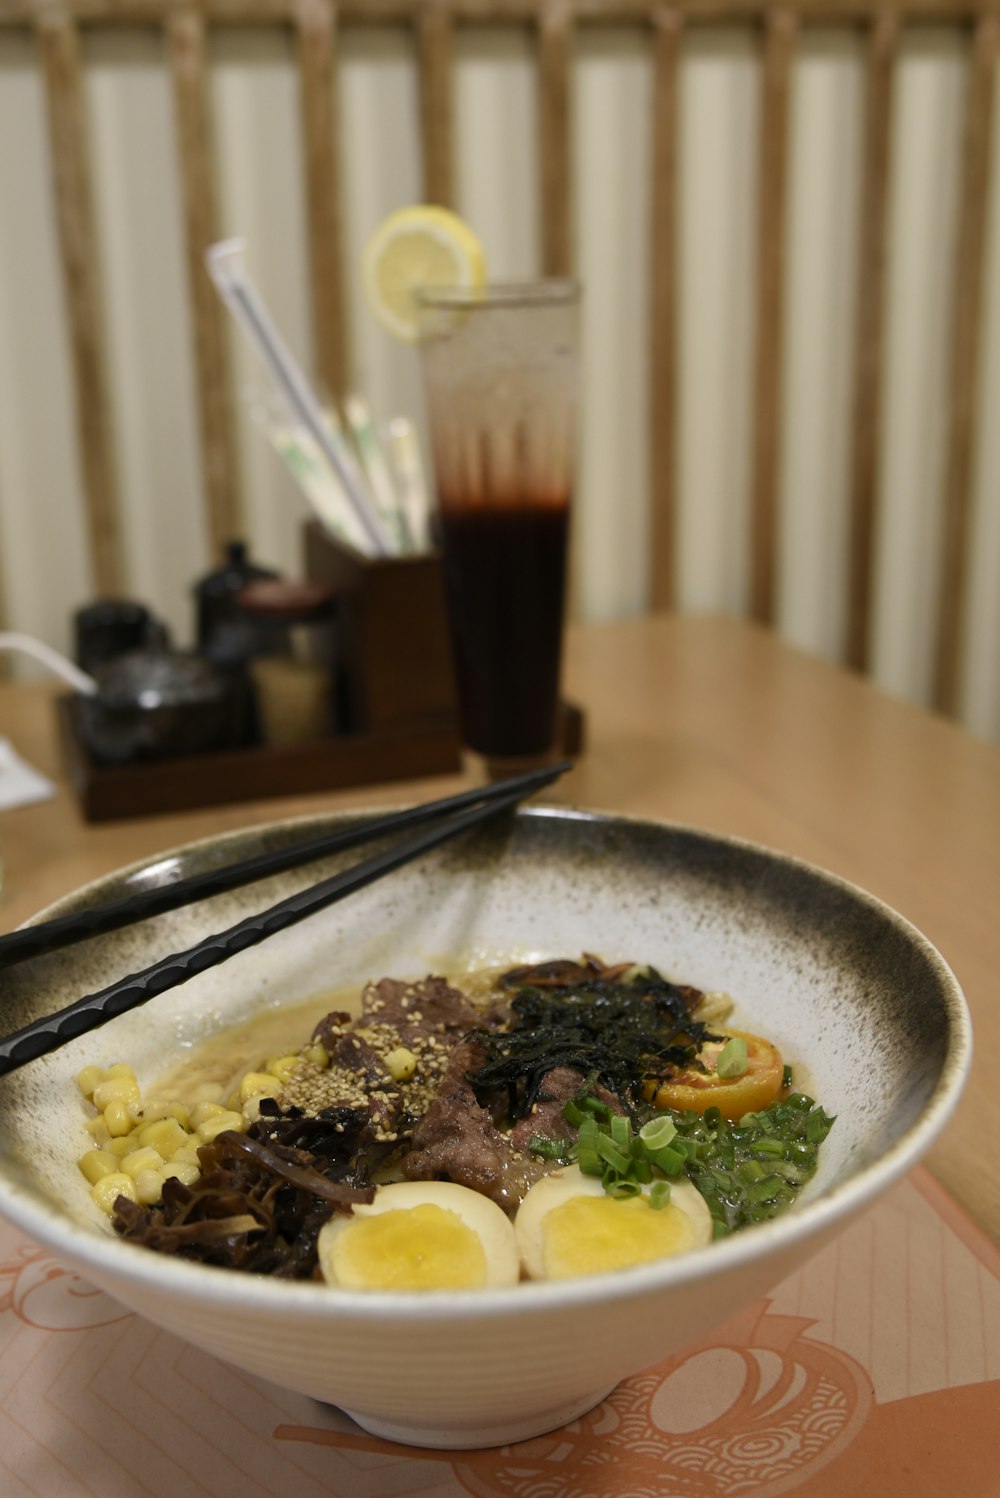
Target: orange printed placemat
{"x":874,"y":1370}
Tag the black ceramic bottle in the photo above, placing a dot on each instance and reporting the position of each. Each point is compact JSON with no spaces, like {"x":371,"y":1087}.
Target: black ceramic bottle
{"x":224,"y":634}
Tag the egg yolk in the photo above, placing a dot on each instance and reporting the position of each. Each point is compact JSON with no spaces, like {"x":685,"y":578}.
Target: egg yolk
{"x":593,"y":1234}
{"x":415,"y":1248}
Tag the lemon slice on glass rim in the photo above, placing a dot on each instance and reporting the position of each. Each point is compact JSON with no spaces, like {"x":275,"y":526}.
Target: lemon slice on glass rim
{"x":419,"y":246}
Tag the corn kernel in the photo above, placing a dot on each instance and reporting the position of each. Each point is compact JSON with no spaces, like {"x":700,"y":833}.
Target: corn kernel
{"x":149,"y":1112}
{"x":218,"y":1124}
{"x":256,"y":1084}
{"x":123,"y":1145}
{"x":204,"y":1111}
{"x":149,"y":1187}
{"x":120,"y":1069}
{"x":88,"y":1079}
{"x":116,"y":1090}
{"x":97,"y":1163}
{"x":188,"y":1153}
{"x":118,"y":1119}
{"x":318,"y":1054}
{"x":165,"y":1136}
{"x":153,"y":1112}
{"x":109,"y":1187}
{"x":401,"y":1063}
{"x":251,"y":1110}
{"x":97,"y":1129}
{"x":181,"y":1171}
{"x":282,"y":1066}
{"x":139,"y":1160}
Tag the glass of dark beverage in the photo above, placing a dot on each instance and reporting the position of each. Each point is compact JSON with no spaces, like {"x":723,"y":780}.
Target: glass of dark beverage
{"x":501,"y":377}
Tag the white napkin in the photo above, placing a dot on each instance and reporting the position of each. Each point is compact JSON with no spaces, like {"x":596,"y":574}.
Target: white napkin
{"x":20,"y":784}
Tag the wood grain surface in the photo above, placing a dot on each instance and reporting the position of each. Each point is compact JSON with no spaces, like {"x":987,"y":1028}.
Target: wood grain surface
{"x":710,"y":722}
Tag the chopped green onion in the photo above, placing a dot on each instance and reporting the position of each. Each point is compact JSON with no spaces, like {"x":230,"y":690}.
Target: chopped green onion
{"x":550,"y":1149}
{"x":769,"y":1147}
{"x":766,"y":1190}
{"x":659,"y":1195}
{"x":747,"y":1171}
{"x":786,"y":1079}
{"x":733,"y":1059}
{"x":818,"y":1125}
{"x":609,"y":1151}
{"x":669,"y":1160}
{"x":622,"y":1189}
{"x":657,"y":1132}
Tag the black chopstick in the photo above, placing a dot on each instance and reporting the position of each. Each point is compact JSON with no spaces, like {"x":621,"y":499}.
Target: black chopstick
{"x":55,"y":1030}
{"x":64,"y":930}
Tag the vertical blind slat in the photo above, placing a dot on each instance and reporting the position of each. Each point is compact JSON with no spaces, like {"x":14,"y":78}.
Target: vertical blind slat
{"x":667,"y":32}
{"x":966,"y":325}
{"x":187,"y":52}
{"x":435,"y":49}
{"x":870,"y":306}
{"x":317,"y":44}
{"x":60,"y":52}
{"x":554,"y":45}
{"x":779,"y":53}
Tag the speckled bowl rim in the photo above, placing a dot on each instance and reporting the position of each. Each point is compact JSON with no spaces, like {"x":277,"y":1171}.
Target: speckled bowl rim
{"x":206,"y":1284}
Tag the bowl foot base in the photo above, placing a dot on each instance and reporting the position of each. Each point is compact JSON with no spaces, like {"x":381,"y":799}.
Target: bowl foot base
{"x":474,"y":1437}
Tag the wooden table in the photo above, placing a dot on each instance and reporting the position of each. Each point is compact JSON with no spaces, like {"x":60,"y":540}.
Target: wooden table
{"x":706,"y":721}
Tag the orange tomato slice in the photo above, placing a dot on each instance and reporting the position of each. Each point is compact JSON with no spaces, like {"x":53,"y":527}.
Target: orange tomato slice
{"x":695,"y":1091}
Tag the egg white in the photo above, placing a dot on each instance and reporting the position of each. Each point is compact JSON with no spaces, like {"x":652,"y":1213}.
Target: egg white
{"x":686,"y":1221}
{"x":432,"y":1254}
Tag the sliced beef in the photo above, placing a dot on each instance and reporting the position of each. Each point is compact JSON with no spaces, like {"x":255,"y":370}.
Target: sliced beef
{"x":546,"y":1119}
{"x":430,"y":1007}
{"x":457,"y":1140}
{"x":564,"y":972}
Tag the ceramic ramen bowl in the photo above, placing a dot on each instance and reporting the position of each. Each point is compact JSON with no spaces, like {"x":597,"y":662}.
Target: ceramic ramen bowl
{"x":856,"y":998}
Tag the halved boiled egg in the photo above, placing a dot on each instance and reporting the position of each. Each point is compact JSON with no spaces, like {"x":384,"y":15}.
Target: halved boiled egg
{"x":568,"y":1225}
{"x":420,"y":1235}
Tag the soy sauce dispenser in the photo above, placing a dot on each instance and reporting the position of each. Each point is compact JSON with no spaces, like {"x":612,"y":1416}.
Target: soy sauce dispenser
{"x":221,"y":627}
{"x":225,"y":635}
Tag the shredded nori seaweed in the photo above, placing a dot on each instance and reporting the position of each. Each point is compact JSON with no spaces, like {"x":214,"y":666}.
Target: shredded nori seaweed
{"x":620,"y":1027}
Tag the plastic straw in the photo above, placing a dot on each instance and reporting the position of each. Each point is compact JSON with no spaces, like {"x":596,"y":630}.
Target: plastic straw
{"x":225,"y":266}
{"x":70,"y":673}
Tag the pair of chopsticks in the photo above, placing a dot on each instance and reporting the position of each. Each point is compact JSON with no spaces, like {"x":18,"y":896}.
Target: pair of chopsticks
{"x":447,"y":818}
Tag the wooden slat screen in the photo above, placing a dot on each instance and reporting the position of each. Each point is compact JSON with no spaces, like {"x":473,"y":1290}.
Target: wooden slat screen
{"x":316,"y":25}
{"x":316,"y":29}
{"x":668,"y":29}
{"x":871,"y":301}
{"x":781,"y":27}
{"x":966,"y":322}
{"x":555,"y":176}
{"x":186,"y":47}
{"x":434,"y":33}
{"x":59,"y":47}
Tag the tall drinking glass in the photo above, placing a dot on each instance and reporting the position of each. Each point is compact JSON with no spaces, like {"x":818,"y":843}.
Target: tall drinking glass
{"x":501,"y":374}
